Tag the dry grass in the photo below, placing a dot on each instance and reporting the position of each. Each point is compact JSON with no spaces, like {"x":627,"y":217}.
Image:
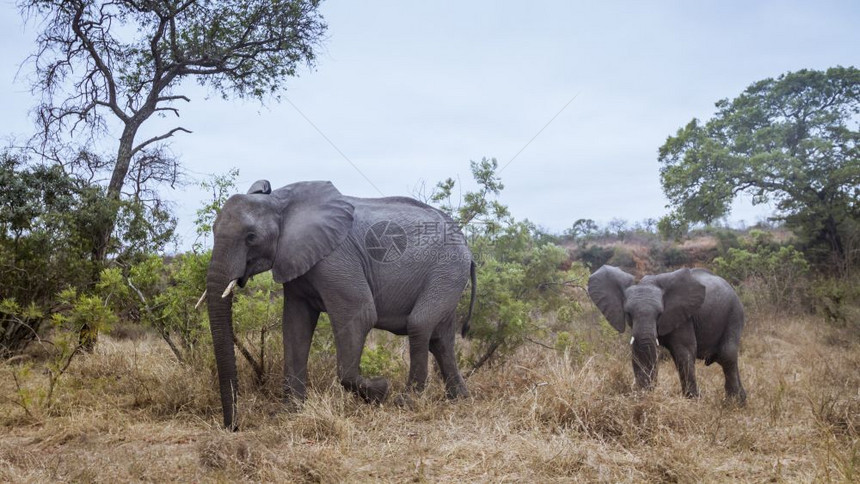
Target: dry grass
{"x":129,"y":412}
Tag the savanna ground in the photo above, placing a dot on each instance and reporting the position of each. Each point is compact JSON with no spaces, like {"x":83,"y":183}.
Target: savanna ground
{"x":130,"y":412}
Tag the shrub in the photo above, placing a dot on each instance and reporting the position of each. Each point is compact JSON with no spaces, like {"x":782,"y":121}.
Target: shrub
{"x":518,"y":280}
{"x":835,"y":299}
{"x":672,"y":226}
{"x":521,"y":273}
{"x":19,"y":326}
{"x":594,"y":256}
{"x":164,"y":296}
{"x":766,"y":272}
{"x":81,"y":317}
{"x":623,"y":258}
{"x":670,"y":257}
{"x":380,"y":359}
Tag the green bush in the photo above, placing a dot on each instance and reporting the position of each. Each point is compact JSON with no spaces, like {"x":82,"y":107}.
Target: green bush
{"x":380,"y":360}
{"x":623,"y":258}
{"x":164,"y":295}
{"x":673,"y":227}
{"x":670,"y":257}
{"x":19,"y":326}
{"x":837,"y":300}
{"x":92,"y":312}
{"x":257,"y":312}
{"x":594,"y":256}
{"x":767,"y":273}
{"x":563,"y":341}
{"x":521,"y":273}
{"x":50,"y":222}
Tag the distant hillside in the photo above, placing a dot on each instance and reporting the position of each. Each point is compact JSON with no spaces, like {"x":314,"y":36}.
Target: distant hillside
{"x":643,"y":252}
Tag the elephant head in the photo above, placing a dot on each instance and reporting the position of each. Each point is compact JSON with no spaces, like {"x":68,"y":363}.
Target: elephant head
{"x":655,"y":307}
{"x":286,"y":231}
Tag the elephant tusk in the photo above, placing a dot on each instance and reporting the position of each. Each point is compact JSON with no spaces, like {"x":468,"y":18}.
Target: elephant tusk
{"x":229,"y":288}
{"x":631,"y":339}
{"x":200,"y":301}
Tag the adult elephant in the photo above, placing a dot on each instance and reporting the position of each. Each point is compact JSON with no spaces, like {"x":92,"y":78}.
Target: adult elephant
{"x":691,"y":312}
{"x":390,"y":263}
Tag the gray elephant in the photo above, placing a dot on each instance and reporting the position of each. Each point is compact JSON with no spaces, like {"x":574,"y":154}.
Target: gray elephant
{"x":389,"y":263}
{"x":691,"y":312}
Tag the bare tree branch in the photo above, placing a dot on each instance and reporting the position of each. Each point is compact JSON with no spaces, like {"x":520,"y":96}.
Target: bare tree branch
{"x":158,"y":138}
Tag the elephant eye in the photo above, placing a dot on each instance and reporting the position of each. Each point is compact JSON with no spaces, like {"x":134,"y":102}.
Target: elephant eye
{"x":251,"y":237}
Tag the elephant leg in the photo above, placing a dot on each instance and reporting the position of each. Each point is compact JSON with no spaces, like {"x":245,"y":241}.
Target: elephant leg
{"x":419,"y":346}
{"x":419,"y":343}
{"x":300,"y":321}
{"x":420,"y":326}
{"x":350,"y":332}
{"x":442,"y":347}
{"x":685,"y":362}
{"x":729,"y":361}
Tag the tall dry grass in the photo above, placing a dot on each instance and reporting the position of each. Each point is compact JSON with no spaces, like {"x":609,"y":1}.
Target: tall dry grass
{"x":129,"y":412}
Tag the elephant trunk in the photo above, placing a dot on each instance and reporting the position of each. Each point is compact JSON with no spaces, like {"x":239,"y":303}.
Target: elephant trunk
{"x":645,"y":361}
{"x":221,"y":325}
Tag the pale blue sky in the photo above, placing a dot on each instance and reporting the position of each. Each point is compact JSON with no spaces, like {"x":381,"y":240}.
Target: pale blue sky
{"x":412,"y":91}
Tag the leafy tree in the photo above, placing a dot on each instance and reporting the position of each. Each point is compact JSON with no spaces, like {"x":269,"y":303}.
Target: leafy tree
{"x":792,"y":140}
{"x":221,"y":186}
{"x":103,"y":65}
{"x":46,"y":221}
{"x":673,"y":227}
{"x":617,"y":227}
{"x":478,"y":211}
{"x":49,"y":221}
{"x":581,"y":229}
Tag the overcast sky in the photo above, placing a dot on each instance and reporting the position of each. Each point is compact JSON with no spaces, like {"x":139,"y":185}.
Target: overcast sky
{"x":411,"y":91}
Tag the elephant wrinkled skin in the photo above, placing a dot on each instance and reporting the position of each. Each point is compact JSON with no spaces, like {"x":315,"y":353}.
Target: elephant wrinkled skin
{"x":691,"y":312}
{"x":390,"y":263}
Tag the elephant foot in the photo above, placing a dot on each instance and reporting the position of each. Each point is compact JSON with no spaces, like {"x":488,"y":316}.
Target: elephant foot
{"x":404,"y":400}
{"x":736,"y":399}
{"x":293,"y":404}
{"x":373,"y":390}
{"x":644,"y":388}
{"x":456,"y":392}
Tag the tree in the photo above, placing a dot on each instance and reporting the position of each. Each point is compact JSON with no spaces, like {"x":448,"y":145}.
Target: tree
{"x":48,"y":221}
{"x":792,"y":140}
{"x":113,"y":65}
{"x":46,"y":226}
{"x":581,"y":229}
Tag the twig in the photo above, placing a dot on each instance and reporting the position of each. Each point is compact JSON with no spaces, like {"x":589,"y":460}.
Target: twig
{"x":20,"y":392}
{"x":258,"y":369}
{"x":573,"y":284}
{"x":481,"y":361}
{"x":539,"y":343}
{"x":54,"y":377}
{"x":161,"y":330}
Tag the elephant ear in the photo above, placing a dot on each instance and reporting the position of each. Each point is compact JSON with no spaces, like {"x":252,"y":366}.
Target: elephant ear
{"x":315,"y":220}
{"x":606,"y":288}
{"x":260,"y":186}
{"x":683,"y":295}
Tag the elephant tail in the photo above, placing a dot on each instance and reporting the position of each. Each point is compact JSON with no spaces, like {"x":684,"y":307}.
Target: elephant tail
{"x":465,"y":330}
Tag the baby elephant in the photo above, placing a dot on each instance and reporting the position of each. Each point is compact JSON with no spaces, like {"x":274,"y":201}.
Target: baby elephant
{"x":691,"y":312}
